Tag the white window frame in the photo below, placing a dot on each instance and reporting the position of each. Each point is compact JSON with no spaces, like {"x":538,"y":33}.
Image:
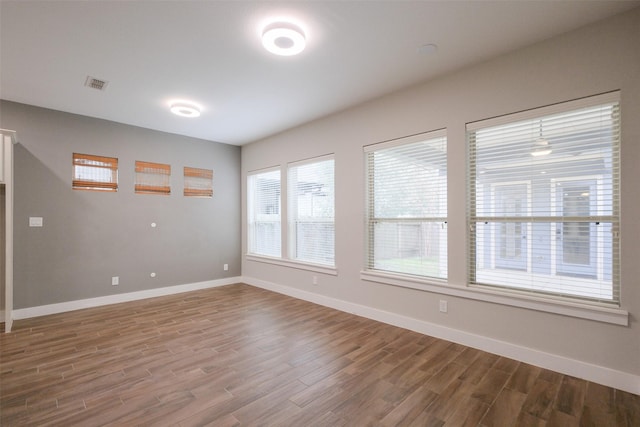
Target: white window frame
{"x":294,"y":219}
{"x":283,"y":259}
{"x":461,"y":289}
{"x":371,"y":273}
{"x":473,"y":218}
{"x":254,"y":217}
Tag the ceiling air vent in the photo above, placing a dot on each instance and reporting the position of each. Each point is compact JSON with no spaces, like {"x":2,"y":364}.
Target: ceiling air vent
{"x":94,"y":83}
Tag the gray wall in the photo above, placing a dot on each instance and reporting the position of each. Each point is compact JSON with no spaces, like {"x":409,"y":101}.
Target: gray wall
{"x":88,"y":236}
{"x":2,"y":246}
{"x":592,"y":60}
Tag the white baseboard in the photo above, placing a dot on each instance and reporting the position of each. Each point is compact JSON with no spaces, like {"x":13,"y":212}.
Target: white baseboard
{"x":43,"y":310}
{"x":576,"y":368}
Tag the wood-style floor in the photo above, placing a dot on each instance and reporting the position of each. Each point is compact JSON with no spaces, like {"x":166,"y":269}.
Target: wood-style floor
{"x":242,"y":356}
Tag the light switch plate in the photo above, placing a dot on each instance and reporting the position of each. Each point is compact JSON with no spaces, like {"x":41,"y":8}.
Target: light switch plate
{"x":35,"y":221}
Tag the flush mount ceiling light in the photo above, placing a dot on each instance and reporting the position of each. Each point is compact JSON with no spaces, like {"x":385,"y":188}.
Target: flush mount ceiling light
{"x":283,"y":38}
{"x":541,"y":147}
{"x":185,"y":109}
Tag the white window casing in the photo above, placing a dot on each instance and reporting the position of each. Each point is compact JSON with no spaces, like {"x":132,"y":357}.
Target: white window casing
{"x":544,"y":201}
{"x":311,"y":211}
{"x":406,"y":206}
{"x":264,"y":213}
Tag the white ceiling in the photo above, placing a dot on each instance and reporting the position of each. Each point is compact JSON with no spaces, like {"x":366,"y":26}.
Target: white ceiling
{"x":152,"y":52}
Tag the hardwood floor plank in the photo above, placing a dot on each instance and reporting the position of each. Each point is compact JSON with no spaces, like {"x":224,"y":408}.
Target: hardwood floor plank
{"x":599,"y":406}
{"x":444,"y":377}
{"x":468,"y":413}
{"x":505,"y":410}
{"x":490,"y":385}
{"x":570,"y":398}
{"x":540,"y":398}
{"x":627,"y":409}
{"x":479,"y":367}
{"x":404,"y":413}
{"x":523,"y":378}
{"x":561,"y":419}
{"x":455,"y":395}
{"x":243,"y":356}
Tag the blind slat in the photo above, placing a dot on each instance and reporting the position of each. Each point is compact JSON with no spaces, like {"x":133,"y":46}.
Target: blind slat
{"x":198,"y":173}
{"x":198,"y":193}
{"x":152,"y":189}
{"x":154,"y":168}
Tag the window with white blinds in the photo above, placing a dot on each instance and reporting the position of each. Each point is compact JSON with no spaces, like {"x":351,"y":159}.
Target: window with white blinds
{"x":263,"y":213}
{"x":544,"y":200}
{"x":407,"y":205}
{"x":311,"y":211}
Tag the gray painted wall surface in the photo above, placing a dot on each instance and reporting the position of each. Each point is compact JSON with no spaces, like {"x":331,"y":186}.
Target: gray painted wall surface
{"x":88,"y":236}
{"x":2,"y":246}
{"x":599,"y":58}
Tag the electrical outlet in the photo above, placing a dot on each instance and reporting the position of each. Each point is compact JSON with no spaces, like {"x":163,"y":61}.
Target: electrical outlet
{"x":314,"y":280}
{"x":115,"y":281}
{"x":35,"y":221}
{"x":443,"y":306}
{"x":225,"y":267}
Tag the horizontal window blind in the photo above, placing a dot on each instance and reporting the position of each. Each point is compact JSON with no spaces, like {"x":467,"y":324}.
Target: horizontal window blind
{"x":407,"y":205}
{"x":152,"y":178}
{"x":92,"y":172}
{"x":311,"y":211}
{"x":544,"y":201}
{"x":198,"y":182}
{"x":263,"y":212}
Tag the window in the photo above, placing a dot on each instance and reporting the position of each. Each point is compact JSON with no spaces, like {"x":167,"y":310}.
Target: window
{"x":97,"y":173}
{"x":407,"y":206}
{"x":153,"y":178}
{"x":263,"y":212}
{"x":311,"y":211}
{"x":544,"y":200}
{"x":198,"y":182}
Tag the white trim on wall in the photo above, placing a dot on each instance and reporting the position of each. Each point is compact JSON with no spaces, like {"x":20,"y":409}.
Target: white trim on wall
{"x":43,"y":310}
{"x":594,"y":312}
{"x":587,"y":371}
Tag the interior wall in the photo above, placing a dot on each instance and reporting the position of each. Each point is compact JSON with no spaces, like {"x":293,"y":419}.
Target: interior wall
{"x":596,"y":59}
{"x":88,"y":237}
{"x":3,"y":248}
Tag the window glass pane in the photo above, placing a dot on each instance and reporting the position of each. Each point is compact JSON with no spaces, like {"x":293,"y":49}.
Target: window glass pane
{"x":407,"y":207}
{"x":263,"y":205}
{"x":544,"y":203}
{"x":311,"y":212}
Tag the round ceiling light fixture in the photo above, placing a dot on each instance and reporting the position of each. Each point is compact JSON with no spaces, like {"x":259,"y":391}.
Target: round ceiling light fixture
{"x":541,"y":147}
{"x":185,"y":109}
{"x":283,"y":38}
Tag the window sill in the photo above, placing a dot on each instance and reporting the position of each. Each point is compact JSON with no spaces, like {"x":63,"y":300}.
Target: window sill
{"x":318,"y":268}
{"x":599,"y":313}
